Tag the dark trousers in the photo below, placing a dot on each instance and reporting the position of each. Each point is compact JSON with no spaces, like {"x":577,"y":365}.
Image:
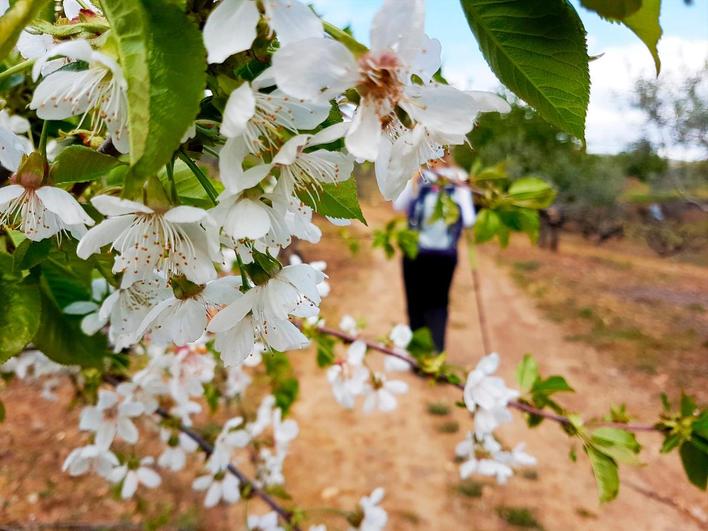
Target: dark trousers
{"x":427,"y":279}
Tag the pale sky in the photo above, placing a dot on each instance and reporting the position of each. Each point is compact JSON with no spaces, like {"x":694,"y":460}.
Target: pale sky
{"x":611,"y":123}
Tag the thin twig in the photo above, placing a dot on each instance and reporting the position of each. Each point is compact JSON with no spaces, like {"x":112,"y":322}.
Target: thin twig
{"x":516,"y":404}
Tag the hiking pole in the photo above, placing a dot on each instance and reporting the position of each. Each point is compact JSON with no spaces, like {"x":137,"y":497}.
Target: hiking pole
{"x":477,"y":293}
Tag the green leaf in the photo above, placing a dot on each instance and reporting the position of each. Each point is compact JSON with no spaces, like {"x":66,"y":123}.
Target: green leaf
{"x":325,"y":350}
{"x":617,"y":9}
{"x":60,"y":338}
{"x":606,"y":474}
{"x":338,"y":200}
{"x":527,"y":373}
{"x":695,"y":463}
{"x":189,"y":190}
{"x":77,"y":164}
{"x":621,"y":445}
{"x":163,"y":59}
{"x":487,"y":225}
{"x":15,"y":20}
{"x":408,"y":242}
{"x":2,"y":411}
{"x":688,"y":406}
{"x":421,"y":344}
{"x":645,"y":25}
{"x":531,"y":192}
{"x":19,"y":315}
{"x":670,"y":442}
{"x":552,"y":384}
{"x":29,"y":253}
{"x":700,"y":426}
{"x":284,"y":385}
{"x":537,"y":49}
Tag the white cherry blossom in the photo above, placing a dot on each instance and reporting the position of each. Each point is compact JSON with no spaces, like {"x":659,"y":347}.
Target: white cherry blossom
{"x":253,"y":121}
{"x":143,"y":474}
{"x":100,"y":88}
{"x":90,"y":458}
{"x":220,"y":486}
{"x":401,"y":335}
{"x":348,"y":377}
{"x":174,"y":456}
{"x":231,"y":27}
{"x":181,"y":241}
{"x":374,"y":517}
{"x":349,"y":325}
{"x":381,"y":393}
{"x":233,"y":435}
{"x":262,"y":314}
{"x":266,"y":522}
{"x":484,"y":390}
{"x":125,"y":309}
{"x":184,"y":320}
{"x":111,"y":417}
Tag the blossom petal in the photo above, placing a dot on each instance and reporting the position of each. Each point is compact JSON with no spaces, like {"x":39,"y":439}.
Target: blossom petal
{"x":185,"y":214}
{"x":63,"y":204}
{"x":130,"y":485}
{"x":240,"y":108}
{"x":292,"y":21}
{"x":399,"y":27}
{"x":233,"y":313}
{"x":102,"y":234}
{"x":10,"y":192}
{"x":148,"y":477}
{"x":230,"y":28}
{"x":314,"y":69}
{"x":364,"y":135}
{"x":109,"y":205}
{"x":247,"y":219}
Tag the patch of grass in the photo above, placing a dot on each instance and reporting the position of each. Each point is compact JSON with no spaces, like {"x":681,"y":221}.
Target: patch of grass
{"x":519,"y":517}
{"x":696,"y":307}
{"x":586,"y":312}
{"x":584,"y":513}
{"x":470,"y":488}
{"x":531,"y":475}
{"x":438,"y":408}
{"x":450,"y":426}
{"x":526,"y":266}
{"x":618,"y":265}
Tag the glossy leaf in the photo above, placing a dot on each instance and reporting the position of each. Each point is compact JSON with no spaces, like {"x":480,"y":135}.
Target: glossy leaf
{"x":338,"y":200}
{"x":527,"y":373}
{"x":695,"y":464}
{"x":606,"y":474}
{"x":616,"y":9}
{"x":163,"y":57}
{"x":645,"y":25}
{"x":81,"y":164}
{"x":60,"y":338}
{"x":19,"y":315}
{"x":537,"y":49}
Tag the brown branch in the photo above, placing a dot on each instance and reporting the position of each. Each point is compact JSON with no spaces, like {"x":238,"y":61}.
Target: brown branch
{"x":516,"y":404}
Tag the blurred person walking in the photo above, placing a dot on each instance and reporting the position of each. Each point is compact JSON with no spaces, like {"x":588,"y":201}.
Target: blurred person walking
{"x":438,"y":206}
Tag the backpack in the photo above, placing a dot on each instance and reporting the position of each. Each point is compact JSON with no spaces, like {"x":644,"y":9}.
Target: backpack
{"x":434,"y":236}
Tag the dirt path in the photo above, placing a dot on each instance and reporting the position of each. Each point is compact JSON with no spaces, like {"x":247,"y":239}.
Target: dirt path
{"x":406,"y":453}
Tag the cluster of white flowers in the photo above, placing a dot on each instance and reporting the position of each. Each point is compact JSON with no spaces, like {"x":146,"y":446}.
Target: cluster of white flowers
{"x":350,"y":377}
{"x":177,"y":377}
{"x":487,"y":397}
{"x":32,"y":365}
